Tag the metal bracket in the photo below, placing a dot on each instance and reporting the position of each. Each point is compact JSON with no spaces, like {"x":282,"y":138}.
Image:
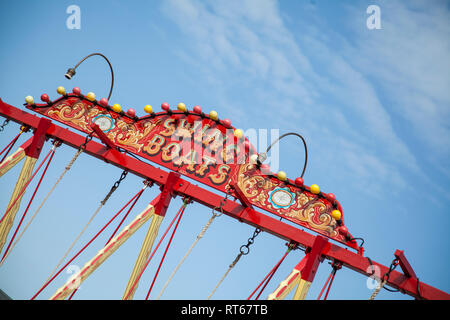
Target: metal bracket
{"x":102,"y":136}
{"x":240,"y":195}
{"x":314,"y":258}
{"x":404,"y":264}
{"x":243,"y":199}
{"x":34,"y":149}
{"x":166,"y":193}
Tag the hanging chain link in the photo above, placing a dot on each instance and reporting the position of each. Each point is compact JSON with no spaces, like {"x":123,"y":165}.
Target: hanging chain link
{"x":222,"y":203}
{"x":393,"y":265}
{"x":384,"y":279}
{"x":86,"y":141}
{"x":219,"y":208}
{"x":250,"y":241}
{"x":4,"y":124}
{"x":115,"y":186}
{"x":242,"y":252}
{"x":77,"y":154}
{"x":117,"y":183}
{"x":245,"y":248}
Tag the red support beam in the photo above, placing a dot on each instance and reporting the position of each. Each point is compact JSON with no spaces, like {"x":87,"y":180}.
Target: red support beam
{"x":241,"y":196}
{"x":102,"y":136}
{"x":404,"y":264}
{"x":167,"y":192}
{"x":231,"y":208}
{"x":34,"y":149}
{"x":314,"y":259}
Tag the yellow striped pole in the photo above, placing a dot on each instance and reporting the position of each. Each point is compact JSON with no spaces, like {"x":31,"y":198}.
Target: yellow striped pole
{"x":16,"y":197}
{"x":303,"y":273}
{"x":14,"y":158}
{"x":302,"y":290}
{"x":31,"y":153}
{"x":286,"y":286}
{"x":75,"y":281}
{"x":161,"y":204}
{"x":143,"y":256}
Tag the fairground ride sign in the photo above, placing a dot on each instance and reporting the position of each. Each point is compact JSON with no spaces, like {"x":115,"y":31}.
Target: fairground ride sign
{"x":207,"y":150}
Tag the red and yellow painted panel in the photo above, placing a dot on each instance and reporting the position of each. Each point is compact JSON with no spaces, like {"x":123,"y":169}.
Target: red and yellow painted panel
{"x":203,"y":148}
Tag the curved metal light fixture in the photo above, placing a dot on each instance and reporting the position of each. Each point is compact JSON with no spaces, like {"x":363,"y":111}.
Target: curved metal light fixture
{"x":71,"y":71}
{"x":263,"y":156}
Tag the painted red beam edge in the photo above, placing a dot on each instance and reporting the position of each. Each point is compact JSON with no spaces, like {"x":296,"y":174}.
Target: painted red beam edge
{"x":404,"y":264}
{"x":102,"y":136}
{"x":34,"y":150}
{"x":231,"y":208}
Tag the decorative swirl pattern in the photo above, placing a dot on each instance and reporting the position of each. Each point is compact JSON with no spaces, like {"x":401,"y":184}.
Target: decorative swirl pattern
{"x":157,"y":138}
{"x":80,"y":116}
{"x":306,"y":208}
{"x":75,"y":114}
{"x":128,"y":135}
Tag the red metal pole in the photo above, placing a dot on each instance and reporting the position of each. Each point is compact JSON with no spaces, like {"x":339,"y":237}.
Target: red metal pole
{"x":352,"y":260}
{"x":34,"y":149}
{"x":314,"y":259}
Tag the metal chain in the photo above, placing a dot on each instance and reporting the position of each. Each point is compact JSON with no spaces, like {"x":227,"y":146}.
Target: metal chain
{"x":222,"y":203}
{"x":199,"y":236}
{"x":241,"y":253}
{"x":250,"y":241}
{"x":4,"y":124}
{"x":77,"y":154}
{"x":86,"y":141}
{"x":114,"y":187}
{"x":384,"y":279}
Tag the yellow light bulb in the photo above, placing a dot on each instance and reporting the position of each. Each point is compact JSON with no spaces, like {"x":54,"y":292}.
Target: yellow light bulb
{"x":90,"y":96}
{"x":314,"y":189}
{"x":336,"y":214}
{"x":116,"y":108}
{"x":182,"y":107}
{"x":29,"y":100}
{"x":148,"y":109}
{"x":238,"y":133}
{"x":282,"y":175}
{"x":213,"y":115}
{"x":61,"y":90}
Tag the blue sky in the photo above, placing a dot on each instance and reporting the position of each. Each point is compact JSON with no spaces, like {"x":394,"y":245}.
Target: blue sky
{"x":373,"y":105}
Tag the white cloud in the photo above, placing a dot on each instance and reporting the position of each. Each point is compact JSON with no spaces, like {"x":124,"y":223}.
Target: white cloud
{"x":306,"y":81}
{"x":409,"y":59}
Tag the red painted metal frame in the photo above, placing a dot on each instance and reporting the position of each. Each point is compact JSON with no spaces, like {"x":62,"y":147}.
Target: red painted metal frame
{"x":240,"y":195}
{"x":70,"y":102}
{"x":167,"y":192}
{"x":330,"y":251}
{"x":102,"y":136}
{"x":34,"y":149}
{"x":314,"y":259}
{"x":404,"y":264}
